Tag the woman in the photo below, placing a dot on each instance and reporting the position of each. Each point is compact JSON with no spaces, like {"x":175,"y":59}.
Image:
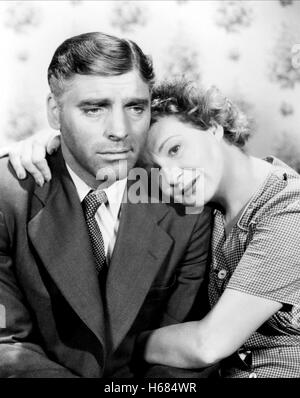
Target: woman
{"x":254,"y":278}
{"x":253,"y":326}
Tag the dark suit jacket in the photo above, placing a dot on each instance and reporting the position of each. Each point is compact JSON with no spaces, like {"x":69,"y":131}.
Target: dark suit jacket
{"x":58,"y":323}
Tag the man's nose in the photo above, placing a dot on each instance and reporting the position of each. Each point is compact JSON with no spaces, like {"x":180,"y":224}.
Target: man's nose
{"x":117,"y":127}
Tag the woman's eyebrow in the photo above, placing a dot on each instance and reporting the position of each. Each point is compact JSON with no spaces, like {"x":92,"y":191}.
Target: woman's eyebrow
{"x":165,"y":141}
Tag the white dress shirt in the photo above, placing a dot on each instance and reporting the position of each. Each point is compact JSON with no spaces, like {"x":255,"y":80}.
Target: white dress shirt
{"x":107,"y":216}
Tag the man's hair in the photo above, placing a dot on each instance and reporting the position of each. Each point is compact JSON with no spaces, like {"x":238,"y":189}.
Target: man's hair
{"x":200,"y":108}
{"x":98,"y":54}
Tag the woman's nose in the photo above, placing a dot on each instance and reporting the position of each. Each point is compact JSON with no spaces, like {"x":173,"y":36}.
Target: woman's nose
{"x":172,"y":175}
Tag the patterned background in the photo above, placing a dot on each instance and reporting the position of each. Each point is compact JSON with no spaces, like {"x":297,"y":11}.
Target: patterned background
{"x":243,"y":47}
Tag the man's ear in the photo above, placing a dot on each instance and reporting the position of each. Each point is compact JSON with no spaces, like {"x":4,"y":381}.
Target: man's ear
{"x":53,"y":112}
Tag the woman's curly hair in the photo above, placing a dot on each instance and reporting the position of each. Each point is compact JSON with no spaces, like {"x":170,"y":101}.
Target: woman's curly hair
{"x":200,"y":108}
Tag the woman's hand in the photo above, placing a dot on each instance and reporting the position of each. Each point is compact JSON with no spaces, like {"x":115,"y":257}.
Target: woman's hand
{"x":30,"y":155}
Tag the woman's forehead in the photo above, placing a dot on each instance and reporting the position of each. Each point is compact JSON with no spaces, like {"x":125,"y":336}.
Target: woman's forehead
{"x":167,"y":127}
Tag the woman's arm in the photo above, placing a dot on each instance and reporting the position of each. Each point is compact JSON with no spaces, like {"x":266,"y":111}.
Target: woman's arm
{"x":219,"y":334}
{"x":29,"y":155}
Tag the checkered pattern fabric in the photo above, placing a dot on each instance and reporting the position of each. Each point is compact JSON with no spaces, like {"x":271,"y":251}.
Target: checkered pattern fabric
{"x":90,"y":205}
{"x":261,"y":256}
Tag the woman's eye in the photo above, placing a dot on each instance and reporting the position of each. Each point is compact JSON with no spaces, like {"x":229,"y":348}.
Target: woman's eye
{"x":174,"y":150}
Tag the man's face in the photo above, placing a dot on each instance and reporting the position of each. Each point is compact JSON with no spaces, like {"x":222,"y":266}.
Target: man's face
{"x":104,"y":122}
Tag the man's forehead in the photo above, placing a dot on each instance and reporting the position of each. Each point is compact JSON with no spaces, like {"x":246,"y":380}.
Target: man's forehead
{"x":127,"y":85}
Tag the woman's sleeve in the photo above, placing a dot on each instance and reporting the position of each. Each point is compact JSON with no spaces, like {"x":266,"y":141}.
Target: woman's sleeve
{"x":270,"y":266}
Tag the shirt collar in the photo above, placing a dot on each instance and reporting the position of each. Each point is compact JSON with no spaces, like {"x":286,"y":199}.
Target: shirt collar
{"x":114,"y":192}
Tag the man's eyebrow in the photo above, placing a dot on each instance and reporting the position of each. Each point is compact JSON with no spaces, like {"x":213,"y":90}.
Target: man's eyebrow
{"x":105,"y":101}
{"x":136,"y":100}
{"x":165,"y":141}
{"x":94,"y":101}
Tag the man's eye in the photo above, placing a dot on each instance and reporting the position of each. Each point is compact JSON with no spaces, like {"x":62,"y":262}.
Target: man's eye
{"x":137,"y":110}
{"x":174,"y":150}
{"x":93,"y":111}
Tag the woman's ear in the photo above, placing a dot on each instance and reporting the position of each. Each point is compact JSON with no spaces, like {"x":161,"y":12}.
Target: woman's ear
{"x":217,"y":131}
{"x":53,"y":112}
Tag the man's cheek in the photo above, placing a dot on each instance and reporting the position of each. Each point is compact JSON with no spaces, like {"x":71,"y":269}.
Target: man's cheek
{"x":141,"y":136}
{"x":2,"y":316}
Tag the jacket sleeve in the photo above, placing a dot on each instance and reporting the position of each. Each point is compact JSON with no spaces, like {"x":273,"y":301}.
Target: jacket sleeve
{"x":20,"y":353}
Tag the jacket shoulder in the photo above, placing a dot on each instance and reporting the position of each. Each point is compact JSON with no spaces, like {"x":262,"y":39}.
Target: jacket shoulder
{"x":12,"y":189}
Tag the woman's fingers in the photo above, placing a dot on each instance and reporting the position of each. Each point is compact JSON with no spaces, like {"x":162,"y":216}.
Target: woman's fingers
{"x":15,"y":160}
{"x":33,"y":155}
{"x":39,"y":161}
{"x":30,"y":155}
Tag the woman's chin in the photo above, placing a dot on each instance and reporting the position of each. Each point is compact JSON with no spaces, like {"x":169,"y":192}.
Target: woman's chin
{"x":190,"y":201}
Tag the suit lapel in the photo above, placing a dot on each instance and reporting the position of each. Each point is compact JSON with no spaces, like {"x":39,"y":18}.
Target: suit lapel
{"x":140,"y":249}
{"x":58,"y":232}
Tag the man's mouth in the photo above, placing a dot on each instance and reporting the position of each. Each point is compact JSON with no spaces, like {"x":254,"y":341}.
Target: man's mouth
{"x":116,"y":154}
{"x":115,"y":151}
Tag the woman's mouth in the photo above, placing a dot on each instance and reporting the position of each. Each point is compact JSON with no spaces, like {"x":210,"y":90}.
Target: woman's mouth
{"x":189,"y":187}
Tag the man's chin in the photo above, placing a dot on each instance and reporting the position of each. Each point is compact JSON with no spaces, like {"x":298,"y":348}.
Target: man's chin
{"x":114,"y":171}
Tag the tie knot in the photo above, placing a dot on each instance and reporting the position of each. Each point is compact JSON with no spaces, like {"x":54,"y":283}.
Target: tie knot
{"x":92,"y":201}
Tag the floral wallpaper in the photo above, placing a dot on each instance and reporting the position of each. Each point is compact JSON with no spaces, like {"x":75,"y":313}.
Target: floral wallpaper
{"x":249,"y":49}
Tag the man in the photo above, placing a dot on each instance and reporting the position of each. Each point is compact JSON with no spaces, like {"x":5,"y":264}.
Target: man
{"x":78,"y":288}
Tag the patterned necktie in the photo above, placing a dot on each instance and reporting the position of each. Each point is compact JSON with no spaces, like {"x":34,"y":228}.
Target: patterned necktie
{"x":90,"y":205}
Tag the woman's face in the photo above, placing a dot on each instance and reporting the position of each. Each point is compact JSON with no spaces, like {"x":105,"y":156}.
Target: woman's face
{"x":190,"y":159}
